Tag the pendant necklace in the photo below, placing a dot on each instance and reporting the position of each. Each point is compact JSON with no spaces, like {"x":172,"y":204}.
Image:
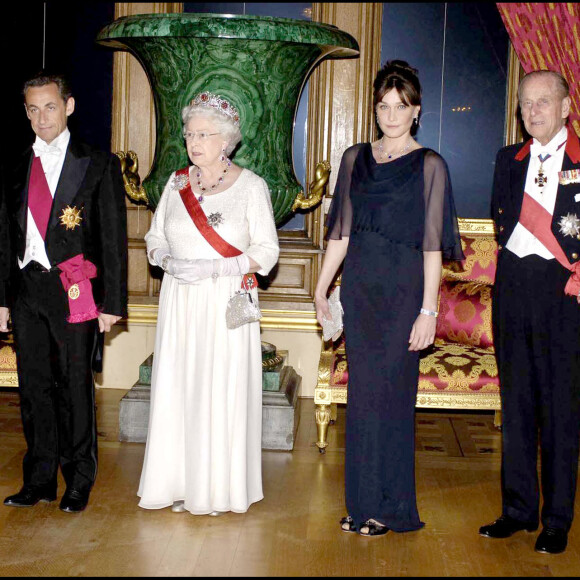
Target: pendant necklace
{"x":226,"y":161}
{"x":392,"y":155}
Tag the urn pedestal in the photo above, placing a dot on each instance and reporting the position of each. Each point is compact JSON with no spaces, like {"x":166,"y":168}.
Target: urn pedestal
{"x":280,"y":403}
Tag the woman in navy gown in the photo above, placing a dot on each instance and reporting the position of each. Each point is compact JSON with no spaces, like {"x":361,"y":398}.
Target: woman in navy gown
{"x":392,"y":219}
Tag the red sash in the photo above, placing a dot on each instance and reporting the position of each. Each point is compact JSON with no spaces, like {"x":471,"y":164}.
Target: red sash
{"x":537,"y":220}
{"x":211,"y":236}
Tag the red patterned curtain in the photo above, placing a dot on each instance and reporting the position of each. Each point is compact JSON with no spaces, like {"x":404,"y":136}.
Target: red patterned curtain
{"x":547,"y":36}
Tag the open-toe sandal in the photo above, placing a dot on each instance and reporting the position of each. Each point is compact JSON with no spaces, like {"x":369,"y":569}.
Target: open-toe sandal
{"x":347,"y":524}
{"x":374,"y":528}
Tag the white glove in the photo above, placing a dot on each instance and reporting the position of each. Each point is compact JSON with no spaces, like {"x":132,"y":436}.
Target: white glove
{"x":236,"y":266}
{"x":192,"y":271}
{"x":156,"y":255}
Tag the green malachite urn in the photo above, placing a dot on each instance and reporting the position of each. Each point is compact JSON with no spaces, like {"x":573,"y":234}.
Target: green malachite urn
{"x":258,"y":63}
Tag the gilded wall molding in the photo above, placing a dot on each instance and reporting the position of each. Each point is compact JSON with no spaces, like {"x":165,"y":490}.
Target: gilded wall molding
{"x":513,"y":130}
{"x":340,"y":99}
{"x":146,"y":314}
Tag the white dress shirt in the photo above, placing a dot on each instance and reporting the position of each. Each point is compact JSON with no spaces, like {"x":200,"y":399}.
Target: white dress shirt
{"x":522,"y":242}
{"x":52,"y":159}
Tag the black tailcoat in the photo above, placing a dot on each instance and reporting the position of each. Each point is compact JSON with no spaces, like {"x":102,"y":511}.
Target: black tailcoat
{"x":511,"y":168}
{"x":537,"y":341}
{"x":91,"y":181}
{"x":54,"y":356}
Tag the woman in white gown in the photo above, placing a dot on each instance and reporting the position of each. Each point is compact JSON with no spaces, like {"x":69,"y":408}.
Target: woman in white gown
{"x":203,"y":451}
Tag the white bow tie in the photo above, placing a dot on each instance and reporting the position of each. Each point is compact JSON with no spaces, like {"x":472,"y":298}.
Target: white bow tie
{"x":42,"y":149}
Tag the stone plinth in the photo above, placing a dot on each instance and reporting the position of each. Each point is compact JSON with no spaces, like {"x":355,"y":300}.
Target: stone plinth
{"x":279,"y":408}
{"x":280,"y":412}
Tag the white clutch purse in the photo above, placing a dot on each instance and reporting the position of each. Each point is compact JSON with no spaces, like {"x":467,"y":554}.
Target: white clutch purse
{"x":333,"y":328}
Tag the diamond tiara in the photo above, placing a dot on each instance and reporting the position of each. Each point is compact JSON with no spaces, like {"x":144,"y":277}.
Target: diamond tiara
{"x":206,"y":99}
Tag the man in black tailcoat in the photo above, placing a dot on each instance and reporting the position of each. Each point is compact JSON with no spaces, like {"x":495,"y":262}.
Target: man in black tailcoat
{"x":536,"y":316}
{"x":65,"y":282}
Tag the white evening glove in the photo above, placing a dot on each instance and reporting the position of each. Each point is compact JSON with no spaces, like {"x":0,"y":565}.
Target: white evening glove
{"x":156,"y":255}
{"x":185,"y":271}
{"x":236,"y":266}
{"x":192,"y":271}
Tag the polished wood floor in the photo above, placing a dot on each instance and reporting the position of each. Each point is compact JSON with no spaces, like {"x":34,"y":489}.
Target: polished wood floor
{"x":294,"y":531}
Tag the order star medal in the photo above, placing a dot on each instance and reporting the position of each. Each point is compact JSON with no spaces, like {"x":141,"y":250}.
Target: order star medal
{"x":569,"y":225}
{"x":71,"y":217}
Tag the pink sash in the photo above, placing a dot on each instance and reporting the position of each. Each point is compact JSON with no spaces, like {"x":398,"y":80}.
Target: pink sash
{"x":537,"y":220}
{"x":39,"y":197}
{"x":75,"y":277}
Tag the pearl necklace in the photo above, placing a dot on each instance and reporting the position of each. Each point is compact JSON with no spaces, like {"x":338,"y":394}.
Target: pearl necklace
{"x":392,"y":155}
{"x":200,"y":185}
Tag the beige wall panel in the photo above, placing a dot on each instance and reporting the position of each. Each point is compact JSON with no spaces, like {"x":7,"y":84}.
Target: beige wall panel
{"x":126,"y":347}
{"x":138,"y":222}
{"x":138,"y":271}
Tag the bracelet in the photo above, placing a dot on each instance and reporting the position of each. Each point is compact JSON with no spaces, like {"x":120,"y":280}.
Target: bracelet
{"x":164,"y":261}
{"x":429,"y":312}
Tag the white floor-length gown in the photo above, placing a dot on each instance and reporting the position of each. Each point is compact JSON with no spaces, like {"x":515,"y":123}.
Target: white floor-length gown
{"x":205,"y":426}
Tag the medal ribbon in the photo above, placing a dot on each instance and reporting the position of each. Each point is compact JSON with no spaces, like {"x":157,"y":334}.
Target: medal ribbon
{"x":199,"y":218}
{"x":537,"y":220}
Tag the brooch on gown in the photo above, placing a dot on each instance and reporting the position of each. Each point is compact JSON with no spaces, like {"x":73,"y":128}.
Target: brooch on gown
{"x":569,"y":225}
{"x":215,"y":219}
{"x":180,"y":181}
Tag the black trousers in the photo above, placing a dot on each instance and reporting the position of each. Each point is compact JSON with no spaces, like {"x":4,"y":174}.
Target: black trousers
{"x":56,"y":385}
{"x":537,"y":341}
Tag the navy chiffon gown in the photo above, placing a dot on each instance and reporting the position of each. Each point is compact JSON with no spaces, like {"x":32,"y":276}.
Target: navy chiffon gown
{"x":391,"y":212}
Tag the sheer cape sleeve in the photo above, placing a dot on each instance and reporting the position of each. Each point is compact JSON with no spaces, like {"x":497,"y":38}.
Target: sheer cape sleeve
{"x":441,"y":232}
{"x":339,"y":220}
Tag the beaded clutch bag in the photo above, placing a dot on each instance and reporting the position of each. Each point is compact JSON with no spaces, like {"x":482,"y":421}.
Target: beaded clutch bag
{"x":333,"y":328}
{"x":242,"y":309}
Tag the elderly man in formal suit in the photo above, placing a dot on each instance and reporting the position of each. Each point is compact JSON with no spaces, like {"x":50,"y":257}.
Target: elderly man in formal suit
{"x":63,"y":202}
{"x":536,"y":315}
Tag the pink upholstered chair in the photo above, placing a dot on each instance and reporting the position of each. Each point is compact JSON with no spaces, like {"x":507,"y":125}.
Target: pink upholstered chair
{"x":460,"y":370}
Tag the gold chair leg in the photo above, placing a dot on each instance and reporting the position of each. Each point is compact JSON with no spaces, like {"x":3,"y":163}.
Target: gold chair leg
{"x":333,"y":413}
{"x":322,"y":416}
{"x":497,"y":419}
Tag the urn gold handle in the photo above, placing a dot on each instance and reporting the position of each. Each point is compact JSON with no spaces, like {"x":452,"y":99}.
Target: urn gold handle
{"x":321,"y":175}
{"x":131,"y":179}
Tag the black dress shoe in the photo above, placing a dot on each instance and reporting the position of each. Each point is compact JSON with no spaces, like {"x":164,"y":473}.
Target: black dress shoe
{"x":29,"y":496}
{"x":552,"y":541}
{"x":74,"y":501}
{"x":504,"y":527}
